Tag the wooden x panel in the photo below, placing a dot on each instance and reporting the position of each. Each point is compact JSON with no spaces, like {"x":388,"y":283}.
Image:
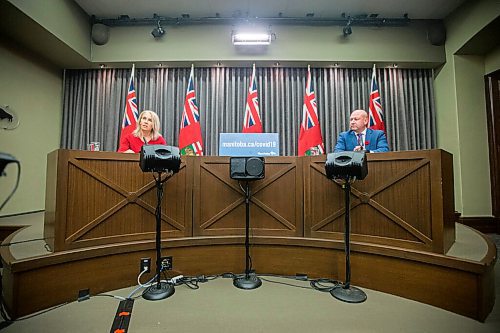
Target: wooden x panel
{"x":276,"y":202}
{"x":105,"y":197}
{"x":397,"y":204}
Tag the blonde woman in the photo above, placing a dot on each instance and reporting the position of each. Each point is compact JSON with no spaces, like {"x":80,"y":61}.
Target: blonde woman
{"x":147,"y":130}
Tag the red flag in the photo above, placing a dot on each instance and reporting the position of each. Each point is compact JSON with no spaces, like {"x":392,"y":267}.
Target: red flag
{"x":190,"y":140}
{"x":252,"y":123}
{"x":310,"y":139}
{"x":376,"y":113}
{"x":131,"y":113}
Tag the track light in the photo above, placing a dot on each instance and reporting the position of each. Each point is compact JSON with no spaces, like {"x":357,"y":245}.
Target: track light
{"x":347,"y":30}
{"x":158,"y":31}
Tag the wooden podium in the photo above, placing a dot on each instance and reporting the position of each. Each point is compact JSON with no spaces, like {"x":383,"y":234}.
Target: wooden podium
{"x":98,"y":198}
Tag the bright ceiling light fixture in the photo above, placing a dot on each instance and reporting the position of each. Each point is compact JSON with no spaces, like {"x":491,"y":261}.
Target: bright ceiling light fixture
{"x":252,"y":38}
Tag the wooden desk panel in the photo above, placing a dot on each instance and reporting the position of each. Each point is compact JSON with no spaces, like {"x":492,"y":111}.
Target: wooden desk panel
{"x":97,"y":198}
{"x":276,"y":205}
{"x":405,"y":201}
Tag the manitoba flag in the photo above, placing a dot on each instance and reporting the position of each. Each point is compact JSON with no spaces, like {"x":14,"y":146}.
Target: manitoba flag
{"x":129,"y":122}
{"x":252,"y":123}
{"x":190,"y":140}
{"x":310,"y":139}
{"x":376,"y":113}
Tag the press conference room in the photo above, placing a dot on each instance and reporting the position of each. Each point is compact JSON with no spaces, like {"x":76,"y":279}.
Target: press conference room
{"x":260,"y":166}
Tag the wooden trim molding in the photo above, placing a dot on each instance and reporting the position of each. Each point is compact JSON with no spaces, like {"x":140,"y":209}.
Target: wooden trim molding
{"x":484,"y":224}
{"x":492,"y":94}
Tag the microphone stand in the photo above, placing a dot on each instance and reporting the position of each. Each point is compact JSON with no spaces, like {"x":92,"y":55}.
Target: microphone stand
{"x":159,"y":290}
{"x":248,"y":281}
{"x":347,"y":293}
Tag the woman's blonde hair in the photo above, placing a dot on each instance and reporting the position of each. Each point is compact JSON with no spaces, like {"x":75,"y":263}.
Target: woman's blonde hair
{"x":155,"y":131}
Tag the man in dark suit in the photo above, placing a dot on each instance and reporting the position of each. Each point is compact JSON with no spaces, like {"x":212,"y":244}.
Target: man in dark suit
{"x":359,"y":137}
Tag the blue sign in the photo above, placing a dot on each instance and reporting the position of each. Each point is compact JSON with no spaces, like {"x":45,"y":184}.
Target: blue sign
{"x":249,"y":144}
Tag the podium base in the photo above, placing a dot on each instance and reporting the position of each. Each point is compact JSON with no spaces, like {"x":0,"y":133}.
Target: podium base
{"x":252,"y":282}
{"x":153,"y":293}
{"x":349,"y":295}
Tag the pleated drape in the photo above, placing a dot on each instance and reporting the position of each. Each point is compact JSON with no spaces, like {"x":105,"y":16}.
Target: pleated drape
{"x":94,"y":103}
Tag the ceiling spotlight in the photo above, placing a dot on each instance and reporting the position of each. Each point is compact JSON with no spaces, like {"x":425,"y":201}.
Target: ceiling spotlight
{"x":158,"y":31}
{"x":347,"y":30}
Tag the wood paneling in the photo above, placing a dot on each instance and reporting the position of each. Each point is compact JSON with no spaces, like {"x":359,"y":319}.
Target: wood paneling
{"x":96,"y":198}
{"x":492,"y":92}
{"x":406,"y":201}
{"x":275,"y":206}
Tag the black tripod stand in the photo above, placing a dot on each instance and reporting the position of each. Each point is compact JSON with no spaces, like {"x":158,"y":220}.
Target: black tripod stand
{"x":248,"y":281}
{"x":347,"y":293}
{"x":158,"y":290}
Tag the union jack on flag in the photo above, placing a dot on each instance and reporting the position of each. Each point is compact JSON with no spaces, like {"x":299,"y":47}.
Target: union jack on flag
{"x":376,"y":113}
{"x":310,"y":138}
{"x":190,"y":140}
{"x":191,"y":113}
{"x":131,"y":114}
{"x":252,"y":122}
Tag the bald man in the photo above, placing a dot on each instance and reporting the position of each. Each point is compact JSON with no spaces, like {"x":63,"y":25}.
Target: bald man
{"x":359,"y":137}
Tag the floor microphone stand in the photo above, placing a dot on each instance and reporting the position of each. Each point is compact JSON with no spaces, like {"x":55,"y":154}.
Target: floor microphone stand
{"x":159,"y":290}
{"x":248,"y":281}
{"x":345,"y":292}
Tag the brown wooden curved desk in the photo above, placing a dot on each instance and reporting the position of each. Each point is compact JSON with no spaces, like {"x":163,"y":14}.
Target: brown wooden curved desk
{"x":100,"y":221}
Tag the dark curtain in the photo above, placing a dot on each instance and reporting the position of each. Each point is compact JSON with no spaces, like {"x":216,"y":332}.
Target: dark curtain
{"x":94,"y":103}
